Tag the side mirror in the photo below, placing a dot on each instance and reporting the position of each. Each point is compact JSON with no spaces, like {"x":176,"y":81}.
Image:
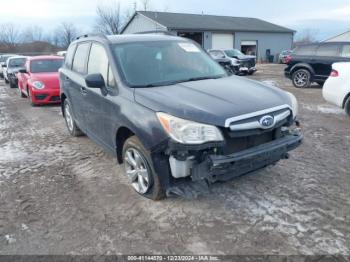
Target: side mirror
{"x":22,"y":71}
{"x":95,"y":81}
{"x":3,"y":65}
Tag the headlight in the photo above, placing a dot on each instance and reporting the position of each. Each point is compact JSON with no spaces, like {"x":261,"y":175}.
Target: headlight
{"x":188,"y":132}
{"x":38,"y":85}
{"x":295,"y":106}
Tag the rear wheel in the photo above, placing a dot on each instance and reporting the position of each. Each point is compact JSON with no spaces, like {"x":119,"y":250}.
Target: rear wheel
{"x":140,"y":171}
{"x":301,"y":78}
{"x":68,"y":116}
{"x":347,"y":106}
{"x":12,"y":85}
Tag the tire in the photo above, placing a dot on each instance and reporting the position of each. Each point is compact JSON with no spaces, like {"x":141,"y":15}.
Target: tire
{"x":72,"y":127}
{"x":147,"y":185}
{"x":6,"y":81}
{"x":251,"y":73}
{"x":12,"y":85}
{"x":347,"y":106}
{"x":301,"y":78}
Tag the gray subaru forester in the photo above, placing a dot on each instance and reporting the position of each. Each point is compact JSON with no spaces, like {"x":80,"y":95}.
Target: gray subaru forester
{"x":171,"y":114}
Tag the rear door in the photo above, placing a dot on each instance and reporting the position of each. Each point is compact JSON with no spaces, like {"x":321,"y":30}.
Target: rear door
{"x":100,"y":105}
{"x":74,"y":83}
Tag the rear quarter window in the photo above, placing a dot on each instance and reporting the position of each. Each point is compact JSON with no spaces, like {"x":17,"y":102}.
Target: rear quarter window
{"x":69,"y":56}
{"x":80,"y":57}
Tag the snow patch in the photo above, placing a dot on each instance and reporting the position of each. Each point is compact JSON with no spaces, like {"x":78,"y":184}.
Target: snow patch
{"x":10,"y":239}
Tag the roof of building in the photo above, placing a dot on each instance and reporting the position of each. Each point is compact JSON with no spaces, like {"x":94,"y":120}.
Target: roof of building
{"x":344,"y":37}
{"x":180,"y":21}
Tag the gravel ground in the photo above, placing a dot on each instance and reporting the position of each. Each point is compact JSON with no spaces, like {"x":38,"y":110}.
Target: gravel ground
{"x":64,"y":195}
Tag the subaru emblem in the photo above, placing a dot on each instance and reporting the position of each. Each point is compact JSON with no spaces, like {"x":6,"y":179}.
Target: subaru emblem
{"x":267,"y":121}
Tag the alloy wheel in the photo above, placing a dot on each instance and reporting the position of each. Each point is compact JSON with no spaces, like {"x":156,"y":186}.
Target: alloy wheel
{"x":68,"y":117}
{"x":136,"y":170}
{"x":301,"y":78}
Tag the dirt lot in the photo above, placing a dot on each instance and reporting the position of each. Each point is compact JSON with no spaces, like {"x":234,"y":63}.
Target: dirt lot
{"x":64,"y":195}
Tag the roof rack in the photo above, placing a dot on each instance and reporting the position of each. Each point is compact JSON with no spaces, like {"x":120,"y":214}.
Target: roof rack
{"x":155,"y":32}
{"x":91,"y":35}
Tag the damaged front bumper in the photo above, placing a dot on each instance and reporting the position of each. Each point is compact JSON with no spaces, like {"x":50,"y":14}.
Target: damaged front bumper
{"x":224,"y":167}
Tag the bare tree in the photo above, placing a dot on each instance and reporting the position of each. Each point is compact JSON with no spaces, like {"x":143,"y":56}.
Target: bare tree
{"x":9,"y":35}
{"x":109,"y":19}
{"x":65,"y":34}
{"x":307,"y":36}
{"x":32,"y":34}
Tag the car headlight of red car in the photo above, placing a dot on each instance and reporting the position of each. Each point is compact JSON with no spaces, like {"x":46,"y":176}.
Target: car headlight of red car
{"x":38,"y":85}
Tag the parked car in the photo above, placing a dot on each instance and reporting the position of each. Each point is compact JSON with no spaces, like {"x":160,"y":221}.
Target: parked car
{"x":171,"y":114}
{"x":231,"y":66}
{"x":313,"y":63}
{"x":13,"y":65}
{"x":38,"y":80}
{"x":336,"y":90}
{"x":284,"y":56}
{"x":244,"y":63}
{"x":3,"y":59}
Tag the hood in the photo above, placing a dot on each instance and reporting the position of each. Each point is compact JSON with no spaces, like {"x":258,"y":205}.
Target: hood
{"x":212,"y":101}
{"x":50,"y":80}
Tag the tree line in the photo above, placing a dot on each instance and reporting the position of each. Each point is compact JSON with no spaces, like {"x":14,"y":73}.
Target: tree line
{"x":109,"y":20}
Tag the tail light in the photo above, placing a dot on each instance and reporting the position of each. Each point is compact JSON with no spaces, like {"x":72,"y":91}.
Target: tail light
{"x":334,"y":73}
{"x":288,"y":59}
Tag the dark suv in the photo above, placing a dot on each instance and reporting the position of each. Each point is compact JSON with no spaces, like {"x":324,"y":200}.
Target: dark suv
{"x":313,"y":63}
{"x":167,"y":110}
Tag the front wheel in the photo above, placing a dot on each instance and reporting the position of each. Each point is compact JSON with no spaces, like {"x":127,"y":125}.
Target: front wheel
{"x":347,"y":106}
{"x":140,"y":171}
{"x":68,"y":117}
{"x":301,"y":78}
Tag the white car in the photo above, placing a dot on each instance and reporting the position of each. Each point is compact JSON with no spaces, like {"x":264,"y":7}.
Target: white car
{"x":336,"y":89}
{"x":3,"y":59}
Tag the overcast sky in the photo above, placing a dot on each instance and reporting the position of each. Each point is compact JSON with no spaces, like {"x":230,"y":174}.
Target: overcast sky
{"x":324,"y":18}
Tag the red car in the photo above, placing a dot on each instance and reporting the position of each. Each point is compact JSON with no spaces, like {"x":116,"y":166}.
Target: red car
{"x":39,"y":80}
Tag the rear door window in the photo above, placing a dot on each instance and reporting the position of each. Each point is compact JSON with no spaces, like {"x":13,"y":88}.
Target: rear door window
{"x":79,"y":61}
{"x":345,"y":52}
{"x":327,"y":50}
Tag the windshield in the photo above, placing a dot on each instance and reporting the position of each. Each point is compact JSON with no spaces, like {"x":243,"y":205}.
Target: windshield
{"x":233,"y":53}
{"x":17,"y":62}
{"x":146,"y":64}
{"x":45,"y":66}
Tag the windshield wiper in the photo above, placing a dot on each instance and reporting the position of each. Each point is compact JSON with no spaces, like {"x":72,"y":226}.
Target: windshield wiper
{"x":202,"y":78}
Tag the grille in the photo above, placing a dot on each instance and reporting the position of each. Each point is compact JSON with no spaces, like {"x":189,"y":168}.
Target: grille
{"x":40,"y":97}
{"x":248,"y":63}
{"x":237,"y":144}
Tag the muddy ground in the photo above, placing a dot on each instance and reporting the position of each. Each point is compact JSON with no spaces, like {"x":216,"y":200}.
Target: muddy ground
{"x":65,"y":195}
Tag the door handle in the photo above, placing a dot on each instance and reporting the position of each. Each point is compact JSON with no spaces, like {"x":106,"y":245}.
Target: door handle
{"x":66,"y":78}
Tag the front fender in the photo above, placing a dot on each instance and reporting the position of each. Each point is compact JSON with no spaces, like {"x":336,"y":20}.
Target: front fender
{"x":302,"y":65}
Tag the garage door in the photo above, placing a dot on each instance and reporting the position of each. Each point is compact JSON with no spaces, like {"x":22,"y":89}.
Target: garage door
{"x":222,"y":41}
